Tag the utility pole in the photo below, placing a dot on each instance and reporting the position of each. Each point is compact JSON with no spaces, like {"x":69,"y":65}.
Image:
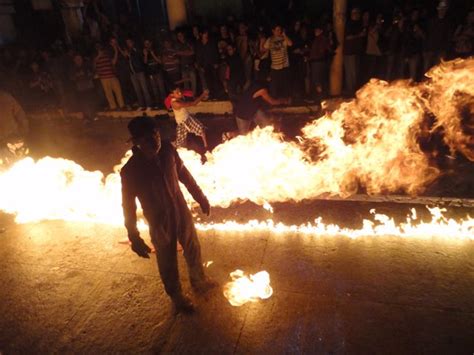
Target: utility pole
{"x":71,"y":11}
{"x":339,"y":21}
{"x":177,"y":15}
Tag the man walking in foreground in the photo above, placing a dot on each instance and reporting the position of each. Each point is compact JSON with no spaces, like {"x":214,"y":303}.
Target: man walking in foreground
{"x":152,"y":175}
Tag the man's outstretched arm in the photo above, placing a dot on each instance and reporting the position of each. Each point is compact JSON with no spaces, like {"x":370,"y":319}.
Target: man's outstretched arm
{"x":180,"y":104}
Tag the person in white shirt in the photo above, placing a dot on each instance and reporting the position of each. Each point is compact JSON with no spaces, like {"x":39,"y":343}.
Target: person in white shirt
{"x":186,"y":123}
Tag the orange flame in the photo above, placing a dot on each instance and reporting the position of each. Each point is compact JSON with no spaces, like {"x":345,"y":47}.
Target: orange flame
{"x":369,"y":143}
{"x":243,"y":289}
{"x":382,"y":225}
{"x":451,"y":100}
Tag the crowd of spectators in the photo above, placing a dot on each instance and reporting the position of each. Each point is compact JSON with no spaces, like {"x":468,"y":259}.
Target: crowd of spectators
{"x":114,"y":68}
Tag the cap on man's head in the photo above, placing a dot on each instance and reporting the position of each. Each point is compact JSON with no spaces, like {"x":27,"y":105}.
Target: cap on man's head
{"x":141,"y":126}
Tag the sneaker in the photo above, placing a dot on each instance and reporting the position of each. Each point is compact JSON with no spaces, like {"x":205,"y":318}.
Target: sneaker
{"x":183,"y":304}
{"x":204,"y":285}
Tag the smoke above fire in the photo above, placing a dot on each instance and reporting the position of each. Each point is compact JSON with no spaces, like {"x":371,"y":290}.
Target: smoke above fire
{"x":370,"y":143}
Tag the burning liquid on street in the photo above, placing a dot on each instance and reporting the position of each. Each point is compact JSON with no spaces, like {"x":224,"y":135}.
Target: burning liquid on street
{"x":369,"y":143}
{"x":243,"y":289}
{"x":381,"y":225}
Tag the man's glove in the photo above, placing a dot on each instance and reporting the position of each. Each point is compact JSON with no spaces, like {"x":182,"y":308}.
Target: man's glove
{"x":205,"y":206}
{"x":140,"y":247}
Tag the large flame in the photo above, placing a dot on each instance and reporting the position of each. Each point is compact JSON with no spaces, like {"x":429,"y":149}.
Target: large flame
{"x":451,"y":100}
{"x":243,"y":289}
{"x":369,"y":143}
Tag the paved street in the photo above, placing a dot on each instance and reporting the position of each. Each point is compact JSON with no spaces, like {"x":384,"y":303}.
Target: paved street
{"x":74,"y":287}
{"x":69,"y":287}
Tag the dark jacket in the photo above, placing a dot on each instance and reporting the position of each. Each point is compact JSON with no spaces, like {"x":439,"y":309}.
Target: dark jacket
{"x":353,"y":45}
{"x":320,"y":48}
{"x":206,"y":54}
{"x":135,"y":61}
{"x":156,"y":184}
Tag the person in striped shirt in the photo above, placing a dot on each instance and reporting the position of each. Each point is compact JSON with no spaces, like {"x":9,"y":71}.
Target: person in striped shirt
{"x":278,"y":45}
{"x":105,"y":69}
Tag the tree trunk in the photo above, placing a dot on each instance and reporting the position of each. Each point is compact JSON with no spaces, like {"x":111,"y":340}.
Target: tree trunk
{"x":339,"y":21}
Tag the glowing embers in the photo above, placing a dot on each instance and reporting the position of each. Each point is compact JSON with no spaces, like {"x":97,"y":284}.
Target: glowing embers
{"x":243,"y":289}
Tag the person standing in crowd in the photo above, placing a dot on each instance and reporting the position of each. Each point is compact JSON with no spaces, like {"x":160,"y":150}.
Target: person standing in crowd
{"x":185,"y":122}
{"x":41,"y":86}
{"x":13,"y":121}
{"x":82,"y":76}
{"x":298,"y":59}
{"x":438,"y":34}
{"x":464,"y":37}
{"x":91,"y":28}
{"x":137,"y":74}
{"x":412,"y":44}
{"x":154,"y":72}
{"x":393,"y":38}
{"x":353,"y":48}
{"x":122,"y":69}
{"x":207,"y":63}
{"x":318,"y":58}
{"x":55,"y":68}
{"x":152,"y":175}
{"x":105,"y":69}
{"x":170,"y":60}
{"x":278,"y":45}
{"x":185,"y":52}
{"x":195,"y":35}
{"x":242,"y":44}
{"x":225,"y":39}
{"x":374,"y":54}
{"x":261,"y":63}
{"x":235,"y":72}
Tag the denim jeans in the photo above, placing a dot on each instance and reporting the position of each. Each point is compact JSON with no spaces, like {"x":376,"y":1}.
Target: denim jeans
{"x":188,"y":74}
{"x":157,"y":83}
{"x":141,"y":89}
{"x":351,"y":67}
